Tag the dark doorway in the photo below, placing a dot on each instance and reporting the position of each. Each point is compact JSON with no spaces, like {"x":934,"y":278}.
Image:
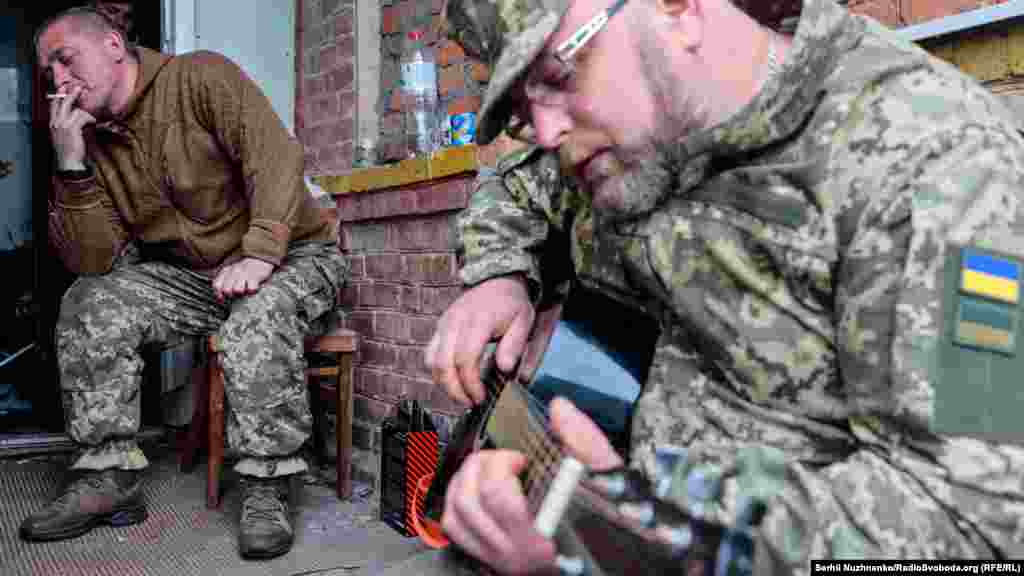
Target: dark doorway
{"x":34,"y":268}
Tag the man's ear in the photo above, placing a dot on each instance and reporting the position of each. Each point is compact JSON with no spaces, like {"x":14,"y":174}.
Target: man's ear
{"x":687,"y":16}
{"x":113,"y":43}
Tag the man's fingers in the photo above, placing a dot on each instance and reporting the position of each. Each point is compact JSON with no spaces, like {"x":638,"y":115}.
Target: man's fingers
{"x":582,"y":437}
{"x":513,"y":342}
{"x":467,"y":362}
{"x":443,"y":370}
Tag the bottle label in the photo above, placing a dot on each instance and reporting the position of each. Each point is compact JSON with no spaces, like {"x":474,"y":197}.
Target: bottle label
{"x":417,"y":76}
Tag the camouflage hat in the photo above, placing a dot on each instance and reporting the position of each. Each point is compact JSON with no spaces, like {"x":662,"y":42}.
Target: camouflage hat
{"x":507,"y":35}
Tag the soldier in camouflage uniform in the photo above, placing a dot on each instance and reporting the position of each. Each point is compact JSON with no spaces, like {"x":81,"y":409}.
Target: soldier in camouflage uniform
{"x":798,"y":246}
{"x":184,"y":213}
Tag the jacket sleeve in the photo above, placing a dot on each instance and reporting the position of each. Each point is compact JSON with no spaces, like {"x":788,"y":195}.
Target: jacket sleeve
{"x":513,"y":223}
{"x":85,"y":228}
{"x":270,"y":160}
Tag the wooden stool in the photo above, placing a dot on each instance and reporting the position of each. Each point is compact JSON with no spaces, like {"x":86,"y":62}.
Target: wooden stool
{"x":340,"y":344}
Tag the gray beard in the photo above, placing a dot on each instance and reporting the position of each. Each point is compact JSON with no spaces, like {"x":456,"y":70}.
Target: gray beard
{"x":653,"y":173}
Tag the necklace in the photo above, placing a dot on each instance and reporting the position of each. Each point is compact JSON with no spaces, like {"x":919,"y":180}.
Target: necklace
{"x":773,"y":55}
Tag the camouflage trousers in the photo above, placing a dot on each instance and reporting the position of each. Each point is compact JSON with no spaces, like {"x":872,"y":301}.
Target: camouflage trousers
{"x":106,"y":321}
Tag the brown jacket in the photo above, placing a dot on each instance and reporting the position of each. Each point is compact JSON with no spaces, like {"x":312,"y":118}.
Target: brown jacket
{"x":199,"y":170}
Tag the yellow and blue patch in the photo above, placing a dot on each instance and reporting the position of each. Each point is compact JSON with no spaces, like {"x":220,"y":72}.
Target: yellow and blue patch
{"x":989,"y":276}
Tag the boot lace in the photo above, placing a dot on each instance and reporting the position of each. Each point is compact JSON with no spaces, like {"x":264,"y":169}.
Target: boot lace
{"x":87,"y":483}
{"x":262,"y":502}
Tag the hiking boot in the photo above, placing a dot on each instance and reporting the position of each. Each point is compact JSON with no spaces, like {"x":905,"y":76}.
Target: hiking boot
{"x":264,"y":530}
{"x":97,"y":497}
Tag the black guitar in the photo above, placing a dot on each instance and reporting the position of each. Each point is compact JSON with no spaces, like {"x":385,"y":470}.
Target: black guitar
{"x":613,"y":524}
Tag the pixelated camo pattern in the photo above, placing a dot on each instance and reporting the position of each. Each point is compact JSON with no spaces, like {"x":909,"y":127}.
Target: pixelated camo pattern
{"x":796,"y":264}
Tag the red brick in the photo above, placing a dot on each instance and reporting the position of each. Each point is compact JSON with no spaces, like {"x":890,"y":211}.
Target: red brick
{"x":437,"y":300}
{"x":389,"y":19}
{"x":431,"y":233}
{"x":450,"y":53}
{"x":917,"y":11}
{"x":336,"y":158}
{"x":885,"y":11}
{"x":411,"y":298}
{"x":380,"y":295}
{"x":346,"y":50}
{"x":409,"y":362}
{"x":312,"y":85}
{"x":343,"y":23}
{"x":328,"y":57}
{"x":374,"y":354}
{"x":350,"y":296}
{"x":361,"y":322}
{"x":309,"y":158}
{"x":430,"y":268}
{"x":370,"y":409}
{"x":391,"y":326}
{"x":378,"y":384}
{"x":451,"y":79}
{"x":445,"y":195}
{"x":395,"y":102}
{"x":340,"y":78}
{"x":324,"y":108}
{"x":479,"y":72}
{"x":464,"y":104}
{"x":421,"y":328}
{"x":384,"y":266}
{"x":391,"y":123}
{"x":357,"y":265}
{"x":341,"y":131}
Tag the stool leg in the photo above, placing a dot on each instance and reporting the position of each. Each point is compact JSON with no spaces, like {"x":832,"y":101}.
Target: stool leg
{"x":316,"y":407}
{"x":197,"y":428}
{"x":343,"y":423}
{"x":215,"y":460}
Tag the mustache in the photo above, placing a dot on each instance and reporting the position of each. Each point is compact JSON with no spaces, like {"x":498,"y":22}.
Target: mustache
{"x":640,"y":188}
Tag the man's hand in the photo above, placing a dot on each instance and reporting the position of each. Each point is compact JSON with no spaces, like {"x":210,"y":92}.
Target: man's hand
{"x":498,"y":308}
{"x":242,"y":278}
{"x":66,"y":125}
{"x":485,"y":509}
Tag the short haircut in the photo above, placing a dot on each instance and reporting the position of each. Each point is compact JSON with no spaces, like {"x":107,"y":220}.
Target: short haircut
{"x":84,"y":18}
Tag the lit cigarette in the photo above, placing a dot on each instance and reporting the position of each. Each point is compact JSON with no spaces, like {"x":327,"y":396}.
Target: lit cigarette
{"x":56,"y":96}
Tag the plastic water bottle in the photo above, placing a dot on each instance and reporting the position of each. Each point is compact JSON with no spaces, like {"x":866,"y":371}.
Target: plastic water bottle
{"x":419,"y":87}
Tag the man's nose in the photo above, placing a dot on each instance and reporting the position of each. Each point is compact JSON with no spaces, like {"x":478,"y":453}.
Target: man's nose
{"x":61,"y":75}
{"x":551,"y":124}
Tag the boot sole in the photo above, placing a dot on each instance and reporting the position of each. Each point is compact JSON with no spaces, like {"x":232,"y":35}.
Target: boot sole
{"x":117,"y":519}
{"x":265,"y":554}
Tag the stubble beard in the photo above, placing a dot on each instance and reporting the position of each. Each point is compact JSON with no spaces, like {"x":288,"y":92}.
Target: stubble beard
{"x":649,"y":172}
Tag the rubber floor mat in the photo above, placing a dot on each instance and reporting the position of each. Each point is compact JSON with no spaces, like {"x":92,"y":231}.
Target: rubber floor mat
{"x":182,"y":537}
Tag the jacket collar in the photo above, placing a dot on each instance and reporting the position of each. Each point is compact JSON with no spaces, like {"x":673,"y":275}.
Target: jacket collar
{"x":150,"y":64}
{"x":824,"y":32}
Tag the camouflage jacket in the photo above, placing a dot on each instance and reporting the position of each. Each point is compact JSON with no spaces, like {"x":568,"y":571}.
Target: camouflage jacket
{"x":799,"y":263}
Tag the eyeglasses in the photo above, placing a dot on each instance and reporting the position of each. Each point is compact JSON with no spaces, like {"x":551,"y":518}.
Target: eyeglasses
{"x":549,"y":86}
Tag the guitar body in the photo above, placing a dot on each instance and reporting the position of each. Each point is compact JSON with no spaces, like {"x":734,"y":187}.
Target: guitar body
{"x":580,"y":350}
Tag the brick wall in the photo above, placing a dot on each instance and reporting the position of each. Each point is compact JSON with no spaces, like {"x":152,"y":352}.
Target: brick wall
{"x":897,"y":13}
{"x":400,"y":243}
{"x":325,"y":101}
{"x":460,"y":83}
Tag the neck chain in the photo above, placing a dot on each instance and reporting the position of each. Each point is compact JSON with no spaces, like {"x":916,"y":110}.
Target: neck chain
{"x":773,"y":56}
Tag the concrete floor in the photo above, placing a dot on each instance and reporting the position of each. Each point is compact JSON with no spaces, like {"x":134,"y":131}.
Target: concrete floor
{"x":181,"y":537}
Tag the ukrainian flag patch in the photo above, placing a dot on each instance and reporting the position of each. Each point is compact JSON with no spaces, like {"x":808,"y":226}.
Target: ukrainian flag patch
{"x":989,"y":276}
{"x":987,"y":325}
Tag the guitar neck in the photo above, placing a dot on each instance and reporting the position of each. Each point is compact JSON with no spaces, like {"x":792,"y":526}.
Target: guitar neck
{"x":617,"y":537}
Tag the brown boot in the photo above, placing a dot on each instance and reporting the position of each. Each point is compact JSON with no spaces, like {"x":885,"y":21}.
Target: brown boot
{"x":264,"y":530}
{"x":96,"y":497}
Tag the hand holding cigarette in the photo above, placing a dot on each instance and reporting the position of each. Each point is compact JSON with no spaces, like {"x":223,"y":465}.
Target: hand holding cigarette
{"x":66,"y":124}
